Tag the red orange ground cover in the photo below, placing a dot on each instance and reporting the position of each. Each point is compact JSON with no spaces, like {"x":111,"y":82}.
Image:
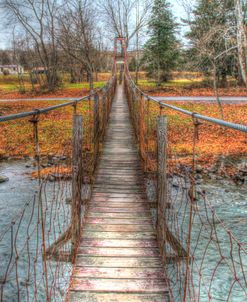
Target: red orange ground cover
{"x":66,"y":92}
{"x":16,"y":138}
{"x":55,"y":129}
{"x":191,"y":91}
{"x":213,"y":141}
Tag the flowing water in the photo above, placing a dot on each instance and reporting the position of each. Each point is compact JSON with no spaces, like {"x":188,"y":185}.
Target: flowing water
{"x":218,"y":241}
{"x":229,"y":202}
{"x":21,"y":234}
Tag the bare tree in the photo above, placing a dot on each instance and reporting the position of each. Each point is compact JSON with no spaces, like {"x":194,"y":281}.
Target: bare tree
{"x":209,"y":48}
{"x":37,"y":19}
{"x":121,"y":18}
{"x":241,"y":38}
{"x":137,"y":41}
{"x":78,"y":35}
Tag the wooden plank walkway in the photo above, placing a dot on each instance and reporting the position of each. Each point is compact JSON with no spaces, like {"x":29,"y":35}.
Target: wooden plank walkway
{"x":118,"y":257}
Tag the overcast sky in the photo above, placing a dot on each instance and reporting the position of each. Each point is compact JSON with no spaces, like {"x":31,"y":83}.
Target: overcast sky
{"x":6,"y":34}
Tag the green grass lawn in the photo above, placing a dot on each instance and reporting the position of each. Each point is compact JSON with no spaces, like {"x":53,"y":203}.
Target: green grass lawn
{"x":146,"y":84}
{"x":84,"y":85}
{"x":10,"y":84}
{"x":8,"y":87}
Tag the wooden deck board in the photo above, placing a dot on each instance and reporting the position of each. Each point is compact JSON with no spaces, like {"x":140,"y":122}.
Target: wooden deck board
{"x":117,"y":210}
{"x":119,"y":285}
{"x":119,"y":235}
{"x":118,"y":221}
{"x":119,"y":273}
{"x":130,"y":216}
{"x":118,"y":256}
{"x":114,"y":297}
{"x":118,"y":251}
{"x":119,"y":243}
{"x":110,"y":204}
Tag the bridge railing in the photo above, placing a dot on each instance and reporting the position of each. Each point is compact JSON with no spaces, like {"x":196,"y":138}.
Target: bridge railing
{"x":43,"y":204}
{"x":191,"y":161}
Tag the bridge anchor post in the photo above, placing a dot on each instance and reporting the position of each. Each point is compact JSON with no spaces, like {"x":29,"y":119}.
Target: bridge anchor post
{"x":77,"y":176}
{"x":162,"y":180}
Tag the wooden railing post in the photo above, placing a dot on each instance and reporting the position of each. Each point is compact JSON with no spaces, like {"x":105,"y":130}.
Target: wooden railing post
{"x":142,"y":127}
{"x":162,"y":179}
{"x":108,"y":102}
{"x":76,"y":184}
{"x":96,"y":114}
{"x":104,"y":113}
{"x":96,"y":128}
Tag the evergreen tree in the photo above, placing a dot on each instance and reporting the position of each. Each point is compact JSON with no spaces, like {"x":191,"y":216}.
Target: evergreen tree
{"x":161,"y":50}
{"x":212,"y":35}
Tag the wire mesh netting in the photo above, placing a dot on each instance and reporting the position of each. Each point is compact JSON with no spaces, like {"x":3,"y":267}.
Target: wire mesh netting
{"x":201,"y":193}
{"x":36,"y":214}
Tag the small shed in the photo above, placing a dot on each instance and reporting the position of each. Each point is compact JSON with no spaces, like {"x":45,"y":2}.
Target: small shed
{"x":11,"y":69}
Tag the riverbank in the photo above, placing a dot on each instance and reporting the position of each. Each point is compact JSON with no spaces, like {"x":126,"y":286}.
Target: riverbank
{"x":218,"y":151}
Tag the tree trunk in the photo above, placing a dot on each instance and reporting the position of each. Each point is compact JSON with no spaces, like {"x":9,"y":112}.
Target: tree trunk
{"x":241,"y":40}
{"x":216,"y":91}
{"x":223,"y":80}
{"x":158,"y":76}
{"x":91,"y":81}
{"x":72,"y":76}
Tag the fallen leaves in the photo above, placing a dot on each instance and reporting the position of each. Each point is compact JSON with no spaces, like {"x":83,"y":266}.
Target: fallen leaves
{"x":54,"y":129}
{"x":214,"y":141}
{"x":58,"y":172}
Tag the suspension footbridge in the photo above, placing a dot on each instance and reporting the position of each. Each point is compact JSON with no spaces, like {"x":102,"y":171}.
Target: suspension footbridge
{"x":93,"y":233}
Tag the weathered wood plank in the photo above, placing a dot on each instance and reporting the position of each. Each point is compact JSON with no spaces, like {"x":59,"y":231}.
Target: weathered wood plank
{"x":114,"y":297}
{"x":115,"y":189}
{"x":131,"y":205}
{"x":119,"y":273}
{"x":119,"y":285}
{"x":119,"y":243}
{"x":118,"y":228}
{"x":118,"y":200}
{"x":118,"y":195}
{"x":118,"y":221}
{"x":126,"y":262}
{"x":118,"y":251}
{"x":130,"y":216}
{"x":116,"y":210}
{"x":118,"y":235}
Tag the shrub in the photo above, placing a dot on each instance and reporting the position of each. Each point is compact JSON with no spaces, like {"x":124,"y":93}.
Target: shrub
{"x":5,"y":72}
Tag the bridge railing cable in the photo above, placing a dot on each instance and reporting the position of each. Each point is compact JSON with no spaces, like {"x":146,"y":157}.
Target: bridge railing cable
{"x":192,"y":163}
{"x":50,"y":189}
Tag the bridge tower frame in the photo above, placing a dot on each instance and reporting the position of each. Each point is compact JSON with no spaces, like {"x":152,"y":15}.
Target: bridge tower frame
{"x":120,"y":59}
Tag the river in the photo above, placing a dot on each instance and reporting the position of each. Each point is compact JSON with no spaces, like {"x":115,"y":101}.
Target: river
{"x":228,"y":200}
{"x":19,"y":204}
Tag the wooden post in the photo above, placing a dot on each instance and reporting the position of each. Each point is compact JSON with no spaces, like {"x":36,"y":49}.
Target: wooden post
{"x":142,"y":128}
{"x":162,"y":179}
{"x":76,"y":184}
{"x":104,"y":113}
{"x":108,"y":103}
{"x":96,"y":127}
{"x":100,"y":116}
{"x":96,"y":115}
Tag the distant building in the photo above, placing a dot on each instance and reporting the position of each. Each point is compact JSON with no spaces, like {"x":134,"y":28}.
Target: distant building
{"x":39,"y":70}
{"x":11,"y":69}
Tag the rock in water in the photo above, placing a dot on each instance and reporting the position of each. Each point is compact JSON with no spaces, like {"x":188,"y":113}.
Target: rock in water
{"x":68,"y":200}
{"x":199,"y":169}
{"x":3,"y":178}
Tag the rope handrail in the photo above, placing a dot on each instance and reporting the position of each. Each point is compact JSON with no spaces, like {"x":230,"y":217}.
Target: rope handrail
{"x":234,"y":126}
{"x":38,"y":239}
{"x":189,"y":181}
{"x":16,"y":116}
